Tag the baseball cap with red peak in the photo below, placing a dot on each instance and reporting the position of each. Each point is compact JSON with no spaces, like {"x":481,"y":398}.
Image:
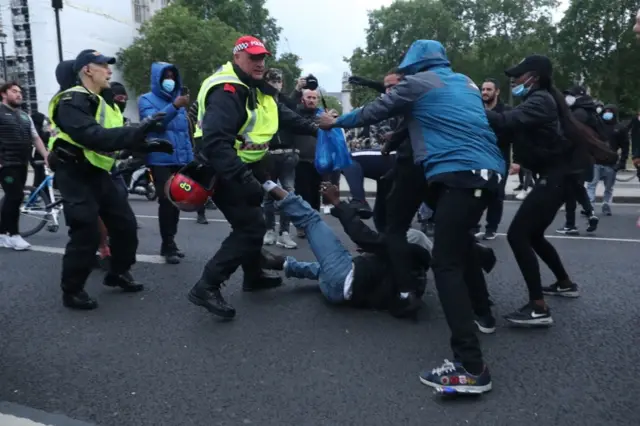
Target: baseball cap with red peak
{"x":251,"y":45}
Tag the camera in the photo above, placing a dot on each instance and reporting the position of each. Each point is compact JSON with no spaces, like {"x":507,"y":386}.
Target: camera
{"x":312,"y":82}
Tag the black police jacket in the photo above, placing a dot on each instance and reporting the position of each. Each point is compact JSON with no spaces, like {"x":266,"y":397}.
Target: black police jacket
{"x":225,"y":115}
{"x":374,"y":284}
{"x":75,"y":116}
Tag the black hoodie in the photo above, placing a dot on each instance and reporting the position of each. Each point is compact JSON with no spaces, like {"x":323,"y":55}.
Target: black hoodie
{"x":65,"y":75}
{"x":618,"y":135}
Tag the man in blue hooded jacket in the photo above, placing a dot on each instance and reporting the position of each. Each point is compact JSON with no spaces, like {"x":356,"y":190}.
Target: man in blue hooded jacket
{"x":452,"y":140}
{"x":166,"y":96}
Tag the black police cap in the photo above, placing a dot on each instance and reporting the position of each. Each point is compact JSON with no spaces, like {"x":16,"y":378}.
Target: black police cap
{"x":91,"y":56}
{"x":539,"y":64}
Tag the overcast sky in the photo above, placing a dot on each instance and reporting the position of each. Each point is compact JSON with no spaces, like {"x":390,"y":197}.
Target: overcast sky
{"x":321,"y":50}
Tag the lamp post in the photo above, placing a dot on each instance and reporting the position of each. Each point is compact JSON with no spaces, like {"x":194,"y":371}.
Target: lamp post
{"x":3,"y":40}
{"x":57,"y":7}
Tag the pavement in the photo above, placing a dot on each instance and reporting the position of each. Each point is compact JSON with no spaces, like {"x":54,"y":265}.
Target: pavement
{"x":290,"y":359}
{"x":624,"y":192}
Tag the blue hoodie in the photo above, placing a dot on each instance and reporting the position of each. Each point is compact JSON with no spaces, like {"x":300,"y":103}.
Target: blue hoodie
{"x":176,"y":124}
{"x":447,"y":123}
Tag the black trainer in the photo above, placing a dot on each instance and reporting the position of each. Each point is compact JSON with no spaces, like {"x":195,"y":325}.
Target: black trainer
{"x":79,"y":300}
{"x":125,"y":281}
{"x":530,"y":315}
{"x":566,"y":290}
{"x":406,"y":307}
{"x":266,"y":281}
{"x":271,"y":261}
{"x":209,"y":297}
{"x":486,"y":323}
{"x":592,"y":223}
{"x":568,"y":230}
{"x":202,"y":219}
{"x":170,"y":253}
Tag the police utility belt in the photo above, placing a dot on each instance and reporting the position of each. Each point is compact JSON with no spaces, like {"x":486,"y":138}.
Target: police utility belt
{"x":284,"y":151}
{"x":71,"y":155}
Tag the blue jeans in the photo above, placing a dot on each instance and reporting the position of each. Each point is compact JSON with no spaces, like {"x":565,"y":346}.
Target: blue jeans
{"x":606,"y":174}
{"x":334,"y":261}
{"x":284,"y":171}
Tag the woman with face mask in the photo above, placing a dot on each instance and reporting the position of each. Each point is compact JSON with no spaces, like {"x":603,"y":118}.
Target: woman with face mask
{"x":548,"y":141}
{"x":169,"y":96}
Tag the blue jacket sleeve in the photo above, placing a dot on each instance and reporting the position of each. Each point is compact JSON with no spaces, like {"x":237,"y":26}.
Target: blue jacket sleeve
{"x":396,"y":102}
{"x":146,"y":109}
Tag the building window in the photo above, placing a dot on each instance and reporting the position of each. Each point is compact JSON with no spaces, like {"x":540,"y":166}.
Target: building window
{"x":164,"y":3}
{"x":140,"y":9}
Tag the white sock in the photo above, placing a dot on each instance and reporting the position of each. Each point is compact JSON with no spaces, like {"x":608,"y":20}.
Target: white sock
{"x":404,"y":295}
{"x":269,"y":185}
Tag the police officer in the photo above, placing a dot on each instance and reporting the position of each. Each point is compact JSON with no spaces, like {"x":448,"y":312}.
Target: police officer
{"x":84,"y":131}
{"x":237,"y":117}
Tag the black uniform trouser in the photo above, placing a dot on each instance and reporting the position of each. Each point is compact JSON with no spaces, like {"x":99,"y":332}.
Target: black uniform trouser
{"x":243,"y":245}
{"x":12,"y":180}
{"x":398,"y":197}
{"x":38,"y":169}
{"x":168,"y":214}
{"x":89,"y":194}
{"x":457,"y":269}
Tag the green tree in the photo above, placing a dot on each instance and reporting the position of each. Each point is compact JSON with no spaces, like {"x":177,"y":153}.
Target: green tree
{"x":391,"y":31}
{"x":289,"y":63}
{"x":332,"y":103}
{"x":597,"y":47}
{"x":175,"y":35}
{"x":249,"y":17}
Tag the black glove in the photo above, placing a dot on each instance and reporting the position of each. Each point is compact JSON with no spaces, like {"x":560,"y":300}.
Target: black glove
{"x":156,"y":145}
{"x":252,"y":188}
{"x":357,"y":81}
{"x":153,"y":123}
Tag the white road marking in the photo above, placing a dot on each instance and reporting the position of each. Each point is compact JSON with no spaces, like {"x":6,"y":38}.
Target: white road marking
{"x":577,"y":237}
{"x":145,"y":258}
{"x":9,"y":420}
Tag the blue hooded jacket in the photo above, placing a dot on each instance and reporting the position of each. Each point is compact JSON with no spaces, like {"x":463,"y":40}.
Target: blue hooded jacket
{"x":176,"y":123}
{"x":447,"y":122}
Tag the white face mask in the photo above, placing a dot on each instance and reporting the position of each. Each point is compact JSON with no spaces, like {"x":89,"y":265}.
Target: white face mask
{"x":570,"y":100}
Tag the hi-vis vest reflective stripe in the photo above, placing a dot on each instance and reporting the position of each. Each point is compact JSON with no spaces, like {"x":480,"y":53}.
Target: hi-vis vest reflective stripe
{"x":261,"y":124}
{"x":105,"y":116}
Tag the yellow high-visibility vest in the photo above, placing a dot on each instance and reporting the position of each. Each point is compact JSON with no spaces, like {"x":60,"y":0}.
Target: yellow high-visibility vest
{"x":262,"y":122}
{"x":106,"y":116}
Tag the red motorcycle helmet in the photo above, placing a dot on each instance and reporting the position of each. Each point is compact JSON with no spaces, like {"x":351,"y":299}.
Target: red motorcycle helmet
{"x":185,"y":190}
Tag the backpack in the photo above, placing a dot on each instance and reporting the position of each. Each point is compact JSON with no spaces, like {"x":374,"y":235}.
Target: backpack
{"x":600,"y":149}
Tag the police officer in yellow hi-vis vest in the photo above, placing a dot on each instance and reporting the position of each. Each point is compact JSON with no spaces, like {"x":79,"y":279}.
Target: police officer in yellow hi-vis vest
{"x":84,"y":131}
{"x":237,"y":117}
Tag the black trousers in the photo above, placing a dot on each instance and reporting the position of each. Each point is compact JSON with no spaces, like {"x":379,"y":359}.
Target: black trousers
{"x":89,"y":193}
{"x":242,"y":246}
{"x":458,"y":273}
{"x":308,"y":180}
{"x":496,"y":205}
{"x":12,"y":180}
{"x":168,"y":214}
{"x":398,"y":197}
{"x":575,"y":193}
{"x":526,"y":232}
{"x":38,"y":169}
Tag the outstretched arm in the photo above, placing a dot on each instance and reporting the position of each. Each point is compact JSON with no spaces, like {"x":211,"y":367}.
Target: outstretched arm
{"x":366,"y":238}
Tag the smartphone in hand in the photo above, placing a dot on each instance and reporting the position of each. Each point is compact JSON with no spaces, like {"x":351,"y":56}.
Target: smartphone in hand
{"x":185,"y":91}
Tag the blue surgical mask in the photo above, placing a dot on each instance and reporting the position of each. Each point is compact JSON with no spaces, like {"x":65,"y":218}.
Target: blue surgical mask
{"x":607,"y":116}
{"x":521,"y":90}
{"x":168,"y":85}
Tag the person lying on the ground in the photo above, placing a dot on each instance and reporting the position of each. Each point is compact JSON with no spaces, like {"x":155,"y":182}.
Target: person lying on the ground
{"x":360,"y":281}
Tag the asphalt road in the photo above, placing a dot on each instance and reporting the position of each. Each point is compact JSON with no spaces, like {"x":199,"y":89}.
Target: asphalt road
{"x":289,"y":359}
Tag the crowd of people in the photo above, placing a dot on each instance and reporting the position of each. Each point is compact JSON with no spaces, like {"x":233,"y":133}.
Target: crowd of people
{"x":445,"y":148}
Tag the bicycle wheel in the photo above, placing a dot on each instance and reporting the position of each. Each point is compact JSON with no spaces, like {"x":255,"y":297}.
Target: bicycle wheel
{"x":32,"y":218}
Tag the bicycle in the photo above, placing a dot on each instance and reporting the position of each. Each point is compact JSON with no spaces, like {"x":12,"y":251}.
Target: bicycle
{"x":628,"y":178}
{"x":40,"y":203}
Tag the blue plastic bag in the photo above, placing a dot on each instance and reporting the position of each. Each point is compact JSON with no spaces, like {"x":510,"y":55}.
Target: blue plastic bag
{"x":332,"y":153}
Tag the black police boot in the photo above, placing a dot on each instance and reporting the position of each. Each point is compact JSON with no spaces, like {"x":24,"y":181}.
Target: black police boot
{"x":487,"y":257}
{"x":171,"y":253}
{"x":202,"y":219}
{"x":209,"y":297}
{"x":265,"y":281}
{"x":272,"y":261}
{"x":79,"y":300}
{"x":125,"y":281}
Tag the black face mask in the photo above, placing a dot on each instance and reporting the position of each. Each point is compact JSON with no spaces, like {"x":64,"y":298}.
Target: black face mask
{"x":122,"y":106}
